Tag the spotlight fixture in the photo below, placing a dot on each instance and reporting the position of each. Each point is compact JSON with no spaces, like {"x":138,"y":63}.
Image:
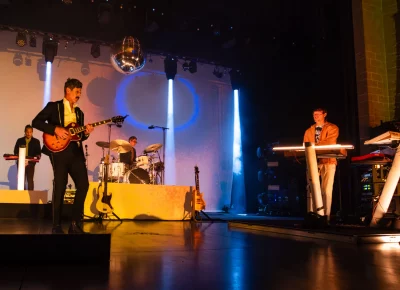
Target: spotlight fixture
{"x":32,"y":40}
{"x":17,"y":60}
{"x":85,"y":69}
{"x":236,"y":79}
{"x":49,"y":49}
{"x":21,"y":39}
{"x":95,"y":50}
{"x":170,"y":67}
{"x":191,"y":66}
{"x":185,"y":66}
{"x":218,"y":73}
{"x":28,"y":61}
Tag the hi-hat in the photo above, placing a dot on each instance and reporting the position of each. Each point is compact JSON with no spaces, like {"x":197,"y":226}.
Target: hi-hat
{"x":103,"y":144}
{"x":152,"y":148}
{"x":121,"y":146}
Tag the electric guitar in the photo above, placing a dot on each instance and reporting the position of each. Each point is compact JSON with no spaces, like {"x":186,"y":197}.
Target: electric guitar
{"x":57,"y":144}
{"x":199,"y":203}
{"x":103,"y":203}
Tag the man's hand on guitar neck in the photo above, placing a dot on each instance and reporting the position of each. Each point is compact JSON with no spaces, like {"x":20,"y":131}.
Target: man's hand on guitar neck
{"x":61,"y":132}
{"x":89,"y":129}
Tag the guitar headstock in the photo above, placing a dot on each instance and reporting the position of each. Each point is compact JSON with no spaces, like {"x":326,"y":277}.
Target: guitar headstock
{"x":196,"y":169}
{"x":118,"y":120}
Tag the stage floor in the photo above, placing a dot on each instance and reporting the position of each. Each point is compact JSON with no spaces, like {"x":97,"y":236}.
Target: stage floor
{"x":208,"y":255}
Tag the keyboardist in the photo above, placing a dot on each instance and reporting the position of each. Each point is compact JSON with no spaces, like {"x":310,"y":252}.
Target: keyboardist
{"x":322,"y":133}
{"x":32,"y":149}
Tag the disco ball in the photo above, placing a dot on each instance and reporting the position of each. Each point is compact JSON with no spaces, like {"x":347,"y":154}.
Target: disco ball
{"x":127,"y":57}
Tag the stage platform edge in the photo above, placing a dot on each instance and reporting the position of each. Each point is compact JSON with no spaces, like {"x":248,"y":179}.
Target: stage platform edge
{"x":351,"y":236}
{"x":55,"y":248}
{"x":24,"y":196}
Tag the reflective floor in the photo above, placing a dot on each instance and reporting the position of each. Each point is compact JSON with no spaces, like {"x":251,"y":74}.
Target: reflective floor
{"x":186,"y":255}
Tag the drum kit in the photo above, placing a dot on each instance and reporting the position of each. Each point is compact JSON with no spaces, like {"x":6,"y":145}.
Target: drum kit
{"x":146,"y":169}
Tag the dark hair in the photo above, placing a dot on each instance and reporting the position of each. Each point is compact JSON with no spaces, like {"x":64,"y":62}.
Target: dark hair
{"x":28,"y":127}
{"x":321,"y":109}
{"x":132,"y":138}
{"x":72,"y":84}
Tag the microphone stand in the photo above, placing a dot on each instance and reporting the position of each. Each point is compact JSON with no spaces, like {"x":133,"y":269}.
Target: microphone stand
{"x":163,"y":160}
{"x":86,"y":155}
{"x":109,"y":137}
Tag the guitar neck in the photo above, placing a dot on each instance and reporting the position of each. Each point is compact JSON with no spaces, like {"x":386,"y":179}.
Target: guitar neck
{"x":80,"y":129}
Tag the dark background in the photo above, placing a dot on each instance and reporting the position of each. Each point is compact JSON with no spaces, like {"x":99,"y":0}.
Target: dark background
{"x":293,"y":56}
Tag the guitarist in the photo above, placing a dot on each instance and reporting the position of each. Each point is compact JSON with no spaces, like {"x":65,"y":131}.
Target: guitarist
{"x":52,"y":120}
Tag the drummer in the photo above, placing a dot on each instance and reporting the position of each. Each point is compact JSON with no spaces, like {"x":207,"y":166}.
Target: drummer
{"x":129,"y":158}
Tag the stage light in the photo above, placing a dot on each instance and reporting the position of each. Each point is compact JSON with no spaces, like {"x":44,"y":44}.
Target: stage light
{"x":236,"y":79}
{"x":21,"y":39}
{"x":218,"y":73}
{"x":28,"y":61}
{"x":185,"y":66}
{"x":32,"y":40}
{"x":191,"y":67}
{"x":49,"y":49}
{"x":95,"y":50}
{"x":17,"y":60}
{"x":170,"y":67}
{"x":85,"y":69}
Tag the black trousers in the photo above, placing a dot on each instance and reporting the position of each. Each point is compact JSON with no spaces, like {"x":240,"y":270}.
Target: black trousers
{"x":69,"y":161}
{"x":29,"y":173}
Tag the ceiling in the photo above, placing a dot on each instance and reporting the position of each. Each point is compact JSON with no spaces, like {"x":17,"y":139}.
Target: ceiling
{"x":218,"y":31}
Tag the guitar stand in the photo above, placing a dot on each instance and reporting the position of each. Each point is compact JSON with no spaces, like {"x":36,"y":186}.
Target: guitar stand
{"x":198,"y":213}
{"x":101,"y":216}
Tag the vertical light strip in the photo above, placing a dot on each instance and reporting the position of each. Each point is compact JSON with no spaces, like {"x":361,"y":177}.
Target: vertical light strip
{"x":170,"y":178}
{"x":238,"y":198}
{"x":47,"y":85}
{"x":237,"y":142}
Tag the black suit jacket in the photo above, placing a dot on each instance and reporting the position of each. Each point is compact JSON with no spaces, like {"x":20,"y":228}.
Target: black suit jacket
{"x":52,"y":116}
{"x":33,"y":148}
{"x":127,"y":157}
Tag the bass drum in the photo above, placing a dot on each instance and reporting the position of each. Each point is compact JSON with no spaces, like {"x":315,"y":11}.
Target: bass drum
{"x":138,"y":176}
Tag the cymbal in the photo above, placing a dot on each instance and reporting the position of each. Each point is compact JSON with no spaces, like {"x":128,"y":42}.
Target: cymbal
{"x":103,"y":144}
{"x":152,"y":148}
{"x":121,"y":146}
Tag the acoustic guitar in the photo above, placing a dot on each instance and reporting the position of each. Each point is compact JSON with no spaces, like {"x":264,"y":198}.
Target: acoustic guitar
{"x":57,"y":144}
{"x":199,"y":203}
{"x":103,"y":203}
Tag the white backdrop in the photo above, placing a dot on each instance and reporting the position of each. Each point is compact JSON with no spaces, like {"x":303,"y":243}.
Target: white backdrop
{"x":203,"y":112}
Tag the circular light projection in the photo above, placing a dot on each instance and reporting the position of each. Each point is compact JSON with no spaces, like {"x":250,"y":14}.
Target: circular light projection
{"x":141,"y":115}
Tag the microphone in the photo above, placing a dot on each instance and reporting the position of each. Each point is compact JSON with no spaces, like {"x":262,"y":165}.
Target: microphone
{"x":151,"y":127}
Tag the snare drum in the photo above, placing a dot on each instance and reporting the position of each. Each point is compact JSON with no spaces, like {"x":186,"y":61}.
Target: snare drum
{"x":142,"y":161}
{"x":102,"y":172}
{"x":117,"y":170}
{"x":138,"y":176}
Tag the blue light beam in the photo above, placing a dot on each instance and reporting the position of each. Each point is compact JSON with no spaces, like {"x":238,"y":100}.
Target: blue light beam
{"x":170,"y":171}
{"x":47,"y":85}
{"x":238,"y":200}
